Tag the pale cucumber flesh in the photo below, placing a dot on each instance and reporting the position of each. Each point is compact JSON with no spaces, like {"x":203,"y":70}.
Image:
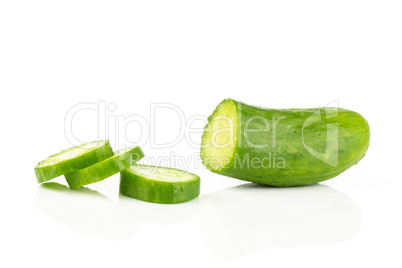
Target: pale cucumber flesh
{"x":72,"y":159}
{"x":104,"y":169}
{"x":159,"y":184}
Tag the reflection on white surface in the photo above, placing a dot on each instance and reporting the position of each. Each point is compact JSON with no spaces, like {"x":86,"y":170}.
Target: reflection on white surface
{"x":90,"y":213}
{"x":250,"y":217}
{"x":235,"y":221}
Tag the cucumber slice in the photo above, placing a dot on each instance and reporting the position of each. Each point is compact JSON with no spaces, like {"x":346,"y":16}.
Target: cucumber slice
{"x":102,"y":170}
{"x":159,"y":184}
{"x":73,"y":159}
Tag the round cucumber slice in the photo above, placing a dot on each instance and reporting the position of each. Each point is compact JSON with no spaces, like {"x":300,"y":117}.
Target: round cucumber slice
{"x":159,"y":184}
{"x":104,"y":169}
{"x":73,"y":159}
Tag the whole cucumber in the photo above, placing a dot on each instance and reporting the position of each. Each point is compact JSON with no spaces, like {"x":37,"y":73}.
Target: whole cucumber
{"x":282,"y":147}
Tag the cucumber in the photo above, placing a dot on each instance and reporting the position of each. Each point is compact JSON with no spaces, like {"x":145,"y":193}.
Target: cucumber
{"x":104,"y":169}
{"x":73,"y":159}
{"x":159,"y":184}
{"x":287,"y":147}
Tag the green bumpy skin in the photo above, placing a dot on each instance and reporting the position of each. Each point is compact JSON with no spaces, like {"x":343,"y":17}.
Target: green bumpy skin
{"x":159,"y":184}
{"x":72,"y":159}
{"x":282,"y":147}
{"x":104,"y":169}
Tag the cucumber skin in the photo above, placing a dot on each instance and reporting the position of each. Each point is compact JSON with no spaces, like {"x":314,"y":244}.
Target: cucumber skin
{"x":101,"y":170}
{"x":302,"y":168}
{"x":47,"y":173}
{"x":160,"y":192}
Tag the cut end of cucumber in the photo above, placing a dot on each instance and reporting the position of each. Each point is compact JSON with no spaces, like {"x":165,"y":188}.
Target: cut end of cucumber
{"x":162,"y":173}
{"x":219,"y":140}
{"x":71,"y":153}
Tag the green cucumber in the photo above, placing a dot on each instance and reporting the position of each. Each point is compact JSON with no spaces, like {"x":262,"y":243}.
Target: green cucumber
{"x":104,"y":169}
{"x":159,"y":184}
{"x":73,"y":159}
{"x":287,"y":147}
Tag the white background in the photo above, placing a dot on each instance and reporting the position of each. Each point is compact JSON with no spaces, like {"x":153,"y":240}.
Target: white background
{"x":193,"y":54}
